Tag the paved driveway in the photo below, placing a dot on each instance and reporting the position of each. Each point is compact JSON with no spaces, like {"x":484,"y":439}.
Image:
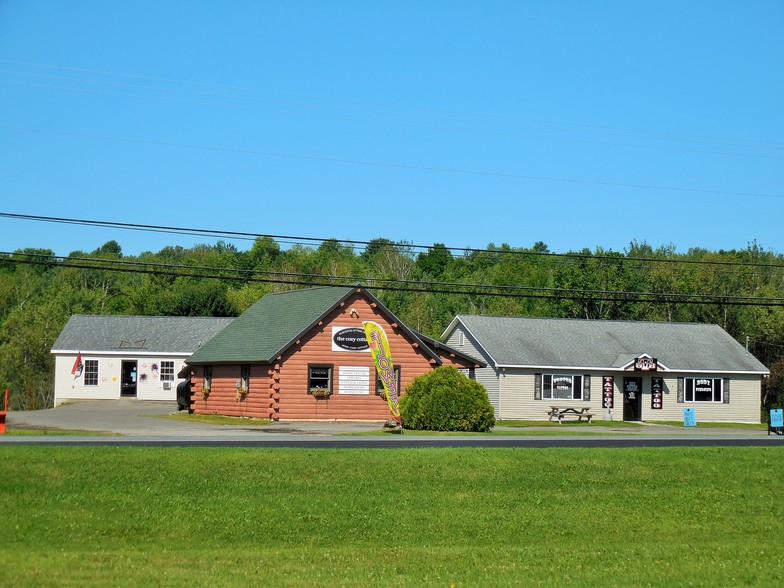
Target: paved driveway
{"x":131,"y":417}
{"x":138,"y":421}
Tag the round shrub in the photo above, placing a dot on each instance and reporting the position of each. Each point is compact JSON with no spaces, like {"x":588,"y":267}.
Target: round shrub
{"x":446,"y":400}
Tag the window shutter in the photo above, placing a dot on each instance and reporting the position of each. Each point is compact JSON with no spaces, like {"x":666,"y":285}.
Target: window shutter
{"x":680,"y":390}
{"x":587,"y":387}
{"x":726,"y":391}
{"x":537,"y":386}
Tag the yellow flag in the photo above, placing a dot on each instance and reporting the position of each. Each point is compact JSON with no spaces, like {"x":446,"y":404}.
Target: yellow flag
{"x":379,"y":347}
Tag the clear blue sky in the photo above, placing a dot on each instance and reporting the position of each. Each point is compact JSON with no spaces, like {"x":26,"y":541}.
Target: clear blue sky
{"x":580,"y":124}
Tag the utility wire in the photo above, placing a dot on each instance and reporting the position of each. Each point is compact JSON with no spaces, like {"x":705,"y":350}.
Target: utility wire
{"x":392,"y":284}
{"x":474,"y":115}
{"x":240,"y":235}
{"x":359,"y":120}
{"x":392,"y":165}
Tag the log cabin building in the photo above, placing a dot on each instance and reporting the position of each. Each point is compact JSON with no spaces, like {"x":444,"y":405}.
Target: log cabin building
{"x":302,"y":355}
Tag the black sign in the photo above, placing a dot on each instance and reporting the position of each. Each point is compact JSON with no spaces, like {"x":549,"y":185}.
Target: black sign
{"x":657,"y":393}
{"x":351,"y":339}
{"x":607,"y":391}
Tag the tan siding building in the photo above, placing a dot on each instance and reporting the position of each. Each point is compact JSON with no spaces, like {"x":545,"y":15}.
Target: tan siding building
{"x":620,"y":370}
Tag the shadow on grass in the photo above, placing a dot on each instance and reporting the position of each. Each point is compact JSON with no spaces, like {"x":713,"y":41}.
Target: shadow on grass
{"x":214,"y":419}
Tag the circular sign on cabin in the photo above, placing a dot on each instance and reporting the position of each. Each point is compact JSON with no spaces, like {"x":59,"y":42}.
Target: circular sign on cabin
{"x":350,"y":339}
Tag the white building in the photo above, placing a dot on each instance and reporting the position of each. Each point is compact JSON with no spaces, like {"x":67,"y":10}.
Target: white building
{"x":105,"y":357}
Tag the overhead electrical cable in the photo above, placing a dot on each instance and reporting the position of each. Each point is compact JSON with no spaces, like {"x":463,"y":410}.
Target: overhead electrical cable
{"x":393,"y":284}
{"x":249,"y":236}
{"x":392,"y":165}
{"x":670,"y":135}
{"x":369,"y":121}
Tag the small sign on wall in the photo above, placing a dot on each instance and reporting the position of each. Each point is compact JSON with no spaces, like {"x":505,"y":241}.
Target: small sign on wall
{"x":608,"y":385}
{"x":353,"y":380}
{"x":657,"y":393}
{"x":646,"y":364}
{"x":349,"y":339}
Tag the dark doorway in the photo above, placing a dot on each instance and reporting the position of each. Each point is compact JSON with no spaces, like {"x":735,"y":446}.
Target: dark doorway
{"x":632,"y":399}
{"x":128,"y":378}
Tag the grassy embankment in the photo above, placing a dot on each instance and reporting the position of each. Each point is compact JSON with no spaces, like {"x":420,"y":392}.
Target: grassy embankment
{"x":87,"y":516}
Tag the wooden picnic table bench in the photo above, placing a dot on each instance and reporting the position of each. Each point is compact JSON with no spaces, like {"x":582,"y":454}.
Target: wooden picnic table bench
{"x":562,"y":412}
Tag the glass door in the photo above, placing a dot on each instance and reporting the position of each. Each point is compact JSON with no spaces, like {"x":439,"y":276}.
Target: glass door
{"x":128,"y":378}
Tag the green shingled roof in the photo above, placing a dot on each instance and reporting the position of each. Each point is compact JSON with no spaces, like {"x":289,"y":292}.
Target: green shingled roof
{"x":268,"y":327}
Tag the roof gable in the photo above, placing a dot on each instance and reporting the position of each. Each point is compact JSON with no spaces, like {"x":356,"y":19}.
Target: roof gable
{"x":277,"y":320}
{"x":579,"y":343}
{"x":269,"y":326}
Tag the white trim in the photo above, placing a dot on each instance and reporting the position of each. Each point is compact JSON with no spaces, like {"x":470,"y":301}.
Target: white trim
{"x":473,"y":339}
{"x":125,"y":353}
{"x":625,"y":371}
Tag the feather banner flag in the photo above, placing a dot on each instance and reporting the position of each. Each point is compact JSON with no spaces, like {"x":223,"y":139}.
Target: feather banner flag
{"x":78,"y":366}
{"x":379,"y":348}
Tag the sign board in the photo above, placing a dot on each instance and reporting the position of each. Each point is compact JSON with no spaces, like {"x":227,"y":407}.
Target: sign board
{"x":353,"y":380}
{"x":657,"y":393}
{"x":646,"y":364}
{"x":607,"y":391}
{"x":349,"y":339}
{"x":777,"y":418}
{"x":689,"y":417}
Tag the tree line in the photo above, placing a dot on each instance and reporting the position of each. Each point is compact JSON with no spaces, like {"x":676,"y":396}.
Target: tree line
{"x":740,"y":290}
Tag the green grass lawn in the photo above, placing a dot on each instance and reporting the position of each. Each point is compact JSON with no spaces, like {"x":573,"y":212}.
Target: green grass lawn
{"x":98,"y":516}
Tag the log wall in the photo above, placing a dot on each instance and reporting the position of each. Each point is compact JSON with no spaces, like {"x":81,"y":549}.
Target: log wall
{"x":280,"y":390}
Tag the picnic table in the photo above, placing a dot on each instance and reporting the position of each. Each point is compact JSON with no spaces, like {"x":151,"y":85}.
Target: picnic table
{"x":562,"y":412}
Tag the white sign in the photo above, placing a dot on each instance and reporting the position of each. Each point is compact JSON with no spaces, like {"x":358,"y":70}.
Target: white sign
{"x":350,"y":339}
{"x":353,"y":380}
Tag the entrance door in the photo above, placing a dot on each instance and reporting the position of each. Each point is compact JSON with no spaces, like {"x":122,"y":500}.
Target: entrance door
{"x":632,"y":399}
{"x":128,"y":378}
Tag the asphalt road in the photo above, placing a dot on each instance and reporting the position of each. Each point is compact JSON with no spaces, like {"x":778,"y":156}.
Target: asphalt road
{"x":134,"y":422}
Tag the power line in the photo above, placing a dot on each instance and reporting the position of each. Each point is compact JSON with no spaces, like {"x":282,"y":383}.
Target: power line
{"x":392,"y":165}
{"x":249,"y":236}
{"x":617,"y":130}
{"x":359,"y":120}
{"x":389,"y":284}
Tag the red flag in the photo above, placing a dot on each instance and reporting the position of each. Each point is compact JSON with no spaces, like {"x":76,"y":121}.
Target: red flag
{"x":76,"y":370}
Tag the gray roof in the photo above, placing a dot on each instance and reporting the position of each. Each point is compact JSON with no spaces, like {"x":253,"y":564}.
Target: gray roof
{"x":437,"y":345}
{"x":521,"y":341}
{"x":137,"y":334}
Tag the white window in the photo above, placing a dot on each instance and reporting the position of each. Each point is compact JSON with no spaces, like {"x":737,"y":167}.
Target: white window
{"x":562,"y":387}
{"x":90,"y":372}
{"x":704,"y":390}
{"x":167,"y":371}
